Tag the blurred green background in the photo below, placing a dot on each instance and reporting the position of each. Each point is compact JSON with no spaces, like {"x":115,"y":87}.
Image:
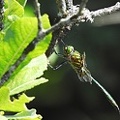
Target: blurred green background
{"x":64,"y":97}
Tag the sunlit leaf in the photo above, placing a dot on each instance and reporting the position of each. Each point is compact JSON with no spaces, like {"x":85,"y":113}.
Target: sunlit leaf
{"x":13,"y":8}
{"x":15,"y":41}
{"x":26,"y":115}
{"x":26,"y":78}
{"x":22,"y":2}
{"x":16,"y":105}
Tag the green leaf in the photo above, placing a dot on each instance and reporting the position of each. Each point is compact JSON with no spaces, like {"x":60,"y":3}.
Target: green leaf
{"x":13,"y":11}
{"x":26,"y":78}
{"x":26,"y":115}
{"x":16,"y":39}
{"x":13,"y":8}
{"x":16,"y":105}
{"x":42,"y":46}
{"x":3,"y":118}
{"x":22,"y":2}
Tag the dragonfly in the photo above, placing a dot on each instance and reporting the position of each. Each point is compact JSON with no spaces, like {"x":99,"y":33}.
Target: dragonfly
{"x":78,"y":63}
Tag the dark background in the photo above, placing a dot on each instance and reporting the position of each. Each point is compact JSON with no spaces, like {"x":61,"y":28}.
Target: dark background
{"x":64,"y":97}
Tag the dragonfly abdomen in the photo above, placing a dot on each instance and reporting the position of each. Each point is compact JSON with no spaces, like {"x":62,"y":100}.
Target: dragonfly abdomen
{"x":78,"y":64}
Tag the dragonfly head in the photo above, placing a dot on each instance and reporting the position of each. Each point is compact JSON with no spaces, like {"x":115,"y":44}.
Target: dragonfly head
{"x":68,"y":49}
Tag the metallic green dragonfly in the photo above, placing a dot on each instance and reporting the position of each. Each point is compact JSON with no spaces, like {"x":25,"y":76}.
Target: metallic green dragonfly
{"x":78,"y":63}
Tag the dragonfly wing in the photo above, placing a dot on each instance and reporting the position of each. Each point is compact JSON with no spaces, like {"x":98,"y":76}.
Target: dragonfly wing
{"x":84,"y":75}
{"x":85,"y":78}
{"x":80,"y":78}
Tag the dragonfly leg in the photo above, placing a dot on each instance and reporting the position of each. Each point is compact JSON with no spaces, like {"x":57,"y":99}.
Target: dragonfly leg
{"x":58,"y":66}
{"x":59,"y":54}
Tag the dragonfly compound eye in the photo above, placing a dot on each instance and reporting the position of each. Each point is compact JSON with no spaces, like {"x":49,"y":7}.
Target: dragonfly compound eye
{"x":69,"y":49}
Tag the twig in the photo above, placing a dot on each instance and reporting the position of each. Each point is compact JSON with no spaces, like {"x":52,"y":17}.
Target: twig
{"x":69,"y":4}
{"x":62,"y":8}
{"x":38,"y":14}
{"x":82,"y":6}
{"x":74,"y":18}
{"x":105,"y":11}
{"x":64,"y":11}
{"x":71,"y":20}
{"x":1,"y":14}
{"x":62,"y":22}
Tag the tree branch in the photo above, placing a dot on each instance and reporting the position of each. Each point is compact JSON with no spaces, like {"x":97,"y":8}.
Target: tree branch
{"x":38,"y":14}
{"x":86,"y":15}
{"x":69,"y":4}
{"x":82,"y":6}
{"x":75,"y":17}
{"x":106,"y":11}
{"x":61,"y":5}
